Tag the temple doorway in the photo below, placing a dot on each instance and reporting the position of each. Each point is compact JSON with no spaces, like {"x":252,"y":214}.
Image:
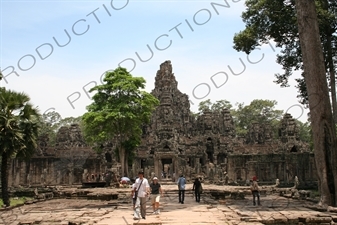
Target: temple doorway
{"x":222,"y":158}
{"x":210,"y":150}
{"x":167,"y":168}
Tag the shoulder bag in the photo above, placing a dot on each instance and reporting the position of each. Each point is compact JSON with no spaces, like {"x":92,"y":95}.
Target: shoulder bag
{"x":136,"y":192}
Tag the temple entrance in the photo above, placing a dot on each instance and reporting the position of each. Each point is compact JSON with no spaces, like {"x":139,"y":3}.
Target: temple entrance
{"x":108,"y":159}
{"x":142,"y":164}
{"x":222,"y":158}
{"x":293,"y":149}
{"x":167,"y":168}
{"x":210,"y":150}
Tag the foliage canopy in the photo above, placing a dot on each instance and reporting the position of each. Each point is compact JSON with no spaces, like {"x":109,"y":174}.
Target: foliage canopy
{"x":120,"y":107}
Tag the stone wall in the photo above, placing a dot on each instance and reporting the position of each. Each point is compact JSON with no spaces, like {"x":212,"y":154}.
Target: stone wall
{"x":42,"y":171}
{"x":69,"y":162}
{"x":269,"y":167}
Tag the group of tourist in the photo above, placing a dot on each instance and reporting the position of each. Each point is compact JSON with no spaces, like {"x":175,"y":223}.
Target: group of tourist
{"x":142,"y":190}
{"x":197,"y":188}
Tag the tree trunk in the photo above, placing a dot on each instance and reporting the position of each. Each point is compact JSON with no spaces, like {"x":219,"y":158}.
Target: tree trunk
{"x":330,"y":64}
{"x":322,"y":122}
{"x":126,"y":169}
{"x":333,"y":91}
{"x":4,"y":179}
{"x":122,"y":159}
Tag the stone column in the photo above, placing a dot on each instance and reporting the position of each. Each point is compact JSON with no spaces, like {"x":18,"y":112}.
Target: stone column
{"x":176,"y":166}
{"x":71,"y":177}
{"x":215,"y":159}
{"x":272,"y":171}
{"x":58,"y":177}
{"x":17,"y":173}
{"x":23,"y":173}
{"x":146,"y":172}
{"x":197,"y":165}
{"x":160,"y":166}
{"x":157,"y":170}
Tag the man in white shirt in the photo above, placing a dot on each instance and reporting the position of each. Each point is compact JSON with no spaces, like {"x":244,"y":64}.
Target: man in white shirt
{"x":142,"y":188}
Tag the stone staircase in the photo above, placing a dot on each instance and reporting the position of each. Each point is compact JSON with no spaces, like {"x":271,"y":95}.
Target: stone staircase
{"x":167,"y":181}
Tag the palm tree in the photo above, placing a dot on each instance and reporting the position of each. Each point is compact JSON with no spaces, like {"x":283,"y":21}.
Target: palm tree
{"x":18,"y":132}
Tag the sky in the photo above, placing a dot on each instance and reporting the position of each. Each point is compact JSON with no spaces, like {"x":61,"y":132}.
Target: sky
{"x":56,"y":51}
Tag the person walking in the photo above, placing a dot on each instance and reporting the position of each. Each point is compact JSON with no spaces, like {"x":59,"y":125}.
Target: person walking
{"x":255,"y":191}
{"x":142,"y":190}
{"x":181,"y":187}
{"x":197,"y":188}
{"x":135,"y":203}
{"x":156,"y":192}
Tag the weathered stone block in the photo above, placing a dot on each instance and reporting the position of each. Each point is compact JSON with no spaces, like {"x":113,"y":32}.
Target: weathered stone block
{"x":334,"y":218}
{"x":318,"y":220}
{"x":280,"y":219}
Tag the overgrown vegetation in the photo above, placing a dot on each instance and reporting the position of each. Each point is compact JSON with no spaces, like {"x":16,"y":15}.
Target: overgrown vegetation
{"x":259,"y":110}
{"x":16,"y":200}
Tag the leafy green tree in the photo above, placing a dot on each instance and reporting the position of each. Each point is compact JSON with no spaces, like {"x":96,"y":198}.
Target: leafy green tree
{"x":69,"y":120}
{"x":52,"y":121}
{"x":129,"y":147}
{"x":119,"y":109}
{"x":276,"y":20}
{"x":205,"y":105}
{"x":49,"y":126}
{"x":305,"y":132}
{"x":220,"y":105}
{"x":261,"y":111}
{"x":18,"y":132}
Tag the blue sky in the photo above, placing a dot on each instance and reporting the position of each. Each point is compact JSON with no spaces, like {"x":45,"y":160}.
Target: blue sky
{"x":197,"y":36}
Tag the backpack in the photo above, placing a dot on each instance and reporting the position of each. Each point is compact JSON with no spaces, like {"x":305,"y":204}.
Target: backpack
{"x":255,"y":186}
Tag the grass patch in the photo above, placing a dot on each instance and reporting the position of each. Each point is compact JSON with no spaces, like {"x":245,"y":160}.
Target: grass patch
{"x":16,"y":200}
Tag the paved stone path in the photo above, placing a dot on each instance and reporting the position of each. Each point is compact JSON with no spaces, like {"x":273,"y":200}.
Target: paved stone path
{"x":274,"y":210}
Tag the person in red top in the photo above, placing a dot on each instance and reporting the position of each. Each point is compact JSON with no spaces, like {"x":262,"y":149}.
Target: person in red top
{"x":255,"y":191}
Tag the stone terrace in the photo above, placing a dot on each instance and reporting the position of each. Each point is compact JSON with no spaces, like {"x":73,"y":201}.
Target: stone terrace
{"x":274,"y":210}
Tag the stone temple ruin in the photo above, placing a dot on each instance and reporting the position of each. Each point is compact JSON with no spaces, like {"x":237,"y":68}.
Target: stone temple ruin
{"x":177,"y":142}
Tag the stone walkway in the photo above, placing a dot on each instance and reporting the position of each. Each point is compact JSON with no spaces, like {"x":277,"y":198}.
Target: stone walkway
{"x":274,"y":210}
